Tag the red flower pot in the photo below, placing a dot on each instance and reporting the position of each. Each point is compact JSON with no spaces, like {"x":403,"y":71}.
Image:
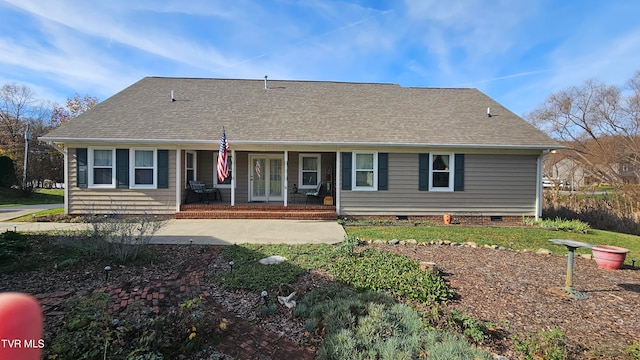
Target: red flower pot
{"x":609,"y":257}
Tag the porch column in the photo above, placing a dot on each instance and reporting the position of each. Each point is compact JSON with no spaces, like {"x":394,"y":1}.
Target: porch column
{"x":178,"y":178}
{"x":234,"y":174}
{"x":338,"y":185}
{"x":286,"y":172}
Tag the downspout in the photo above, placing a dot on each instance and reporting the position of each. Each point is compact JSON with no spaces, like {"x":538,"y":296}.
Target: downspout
{"x":539,"y":184}
{"x":338,"y":185}
{"x":65,"y":153}
{"x":178,"y":178}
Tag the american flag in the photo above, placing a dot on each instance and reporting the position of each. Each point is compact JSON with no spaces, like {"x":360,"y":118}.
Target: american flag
{"x":223,"y":165}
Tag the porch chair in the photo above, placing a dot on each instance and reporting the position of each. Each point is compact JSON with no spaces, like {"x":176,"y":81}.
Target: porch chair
{"x":320,"y":192}
{"x":200,"y":188}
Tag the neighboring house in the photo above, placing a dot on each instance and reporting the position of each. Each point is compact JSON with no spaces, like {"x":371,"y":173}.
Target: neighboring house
{"x":385,"y":150}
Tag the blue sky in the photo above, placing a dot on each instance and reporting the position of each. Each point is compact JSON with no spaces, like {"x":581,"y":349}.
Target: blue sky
{"x":517,"y":52}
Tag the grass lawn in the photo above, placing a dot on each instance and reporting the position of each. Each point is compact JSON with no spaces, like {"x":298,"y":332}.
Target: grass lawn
{"x":14,"y":197}
{"x":523,"y":238}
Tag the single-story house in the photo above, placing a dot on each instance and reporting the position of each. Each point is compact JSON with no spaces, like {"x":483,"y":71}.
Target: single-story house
{"x":379,"y":150}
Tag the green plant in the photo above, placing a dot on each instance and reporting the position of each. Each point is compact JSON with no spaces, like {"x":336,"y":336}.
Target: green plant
{"x":370,"y":325}
{"x":561,"y":224}
{"x":377,"y":270}
{"x":633,"y":350}
{"x":249,"y":274}
{"x":348,"y":245}
{"x":548,"y":345}
{"x":269,"y":309}
{"x":83,"y":337}
{"x":7,"y":172}
{"x":474,"y":329}
{"x":445,"y":345}
{"x":11,"y":244}
{"x":137,"y":333}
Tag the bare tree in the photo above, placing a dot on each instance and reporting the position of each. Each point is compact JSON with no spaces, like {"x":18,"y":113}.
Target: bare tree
{"x":599,"y":124}
{"x":18,"y":109}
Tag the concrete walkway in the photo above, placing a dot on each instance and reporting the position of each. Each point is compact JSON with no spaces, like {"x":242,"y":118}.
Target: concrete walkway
{"x":214,"y":232}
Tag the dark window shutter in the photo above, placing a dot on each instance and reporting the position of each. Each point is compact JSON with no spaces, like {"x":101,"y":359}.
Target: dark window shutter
{"x":423,"y":172}
{"x":346,"y":171}
{"x":383,"y":171}
{"x":82,"y":178}
{"x":458,"y":180}
{"x":122,"y":168}
{"x":163,"y":169}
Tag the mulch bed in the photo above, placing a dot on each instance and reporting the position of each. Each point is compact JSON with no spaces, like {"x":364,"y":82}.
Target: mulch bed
{"x":518,"y":291}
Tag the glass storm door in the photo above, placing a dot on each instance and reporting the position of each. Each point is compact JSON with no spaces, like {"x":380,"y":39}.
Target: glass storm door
{"x":266,"y":178}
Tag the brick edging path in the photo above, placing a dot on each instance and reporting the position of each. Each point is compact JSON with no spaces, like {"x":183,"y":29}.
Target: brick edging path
{"x":242,"y":339}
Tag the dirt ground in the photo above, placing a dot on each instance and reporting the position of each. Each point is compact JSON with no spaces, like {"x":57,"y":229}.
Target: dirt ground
{"x":518,"y":291}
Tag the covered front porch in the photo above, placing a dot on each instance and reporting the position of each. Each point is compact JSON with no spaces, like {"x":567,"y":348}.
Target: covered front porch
{"x":262,"y":184}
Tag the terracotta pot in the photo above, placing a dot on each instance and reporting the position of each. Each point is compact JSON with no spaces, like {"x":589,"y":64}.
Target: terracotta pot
{"x":609,"y":257}
{"x":447,"y":219}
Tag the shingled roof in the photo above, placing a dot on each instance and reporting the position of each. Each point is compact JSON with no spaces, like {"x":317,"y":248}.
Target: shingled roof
{"x":300,"y":112}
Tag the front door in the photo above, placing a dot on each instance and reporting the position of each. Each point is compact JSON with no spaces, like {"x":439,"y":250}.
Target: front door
{"x":266,"y":175}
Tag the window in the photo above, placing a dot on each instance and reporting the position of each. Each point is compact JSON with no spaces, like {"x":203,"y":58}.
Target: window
{"x":365,"y":171}
{"x":143,"y":168}
{"x":227,"y":182}
{"x":441,"y":172}
{"x":309,"y":174}
{"x":101,"y":164}
{"x":190,"y":167}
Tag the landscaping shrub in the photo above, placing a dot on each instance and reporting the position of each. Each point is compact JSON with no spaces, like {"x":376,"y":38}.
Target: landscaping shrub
{"x":561,"y":224}
{"x":12,"y":243}
{"x":7,"y":172}
{"x":377,"y":270}
{"x":370,"y":325}
{"x":548,"y":345}
{"x":474,"y":329}
{"x":122,"y":237}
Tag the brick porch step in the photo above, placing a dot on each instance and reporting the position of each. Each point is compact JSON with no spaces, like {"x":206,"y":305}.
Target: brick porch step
{"x":197,"y":211}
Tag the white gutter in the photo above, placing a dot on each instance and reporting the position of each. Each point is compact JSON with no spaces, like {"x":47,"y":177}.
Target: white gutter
{"x":297,"y":143}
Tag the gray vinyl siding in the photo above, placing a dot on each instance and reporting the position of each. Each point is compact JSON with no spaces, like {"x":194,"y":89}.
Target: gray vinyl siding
{"x":494,"y":185}
{"x":122,"y":201}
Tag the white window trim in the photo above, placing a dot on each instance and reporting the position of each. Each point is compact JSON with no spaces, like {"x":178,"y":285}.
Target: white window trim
{"x":318,"y":170}
{"x":451,"y":172}
{"x":215,"y":172}
{"x":132,"y":169}
{"x":195,"y":166}
{"x":113,"y":169}
{"x":354,"y":187}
